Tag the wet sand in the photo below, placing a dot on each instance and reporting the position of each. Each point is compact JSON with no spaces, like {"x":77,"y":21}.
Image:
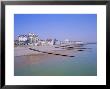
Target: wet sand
{"x":31,"y":59}
{"x":43,"y":64}
{"x":23,"y":51}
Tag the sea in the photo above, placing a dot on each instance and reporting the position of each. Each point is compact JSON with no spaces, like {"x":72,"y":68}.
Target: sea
{"x":84,"y":63}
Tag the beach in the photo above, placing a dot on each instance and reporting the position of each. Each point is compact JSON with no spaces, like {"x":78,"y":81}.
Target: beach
{"x":33,"y":63}
{"x":24,"y":50}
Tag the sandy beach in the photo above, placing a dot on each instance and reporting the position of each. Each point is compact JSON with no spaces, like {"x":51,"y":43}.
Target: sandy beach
{"x":23,"y":51}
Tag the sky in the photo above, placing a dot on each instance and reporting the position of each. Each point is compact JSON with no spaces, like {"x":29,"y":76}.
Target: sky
{"x":75,"y":27}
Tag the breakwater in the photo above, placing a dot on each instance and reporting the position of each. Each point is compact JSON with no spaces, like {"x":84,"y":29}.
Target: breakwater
{"x":50,"y":52}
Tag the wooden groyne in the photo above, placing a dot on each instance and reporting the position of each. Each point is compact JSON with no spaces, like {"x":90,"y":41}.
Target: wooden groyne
{"x":50,"y":53}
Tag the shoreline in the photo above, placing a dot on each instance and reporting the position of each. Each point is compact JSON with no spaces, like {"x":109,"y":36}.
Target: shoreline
{"x":25,"y":51}
{"x":35,"y":50}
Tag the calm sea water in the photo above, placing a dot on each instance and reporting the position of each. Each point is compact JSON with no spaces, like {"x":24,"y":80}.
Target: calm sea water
{"x":83,"y":64}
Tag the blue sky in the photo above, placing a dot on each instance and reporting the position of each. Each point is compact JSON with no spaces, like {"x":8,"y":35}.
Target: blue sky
{"x":76,"y":27}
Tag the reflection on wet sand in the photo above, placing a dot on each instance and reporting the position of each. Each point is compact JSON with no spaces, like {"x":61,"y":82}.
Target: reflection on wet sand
{"x":37,"y":58}
{"x":44,"y":64}
{"x":31,"y":59}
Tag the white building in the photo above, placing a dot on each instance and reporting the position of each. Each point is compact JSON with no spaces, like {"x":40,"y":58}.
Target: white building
{"x":33,"y":38}
{"x":51,"y":42}
{"x":79,"y":42}
{"x":66,"y":41}
{"x":22,"y":38}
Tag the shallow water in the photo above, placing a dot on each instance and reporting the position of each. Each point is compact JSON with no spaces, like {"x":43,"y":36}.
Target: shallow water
{"x":83,"y":64}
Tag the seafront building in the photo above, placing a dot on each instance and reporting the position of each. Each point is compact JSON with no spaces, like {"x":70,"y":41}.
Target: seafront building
{"x":33,"y":39}
{"x":22,"y":39}
{"x":68,"y":42}
{"x":27,"y":39}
